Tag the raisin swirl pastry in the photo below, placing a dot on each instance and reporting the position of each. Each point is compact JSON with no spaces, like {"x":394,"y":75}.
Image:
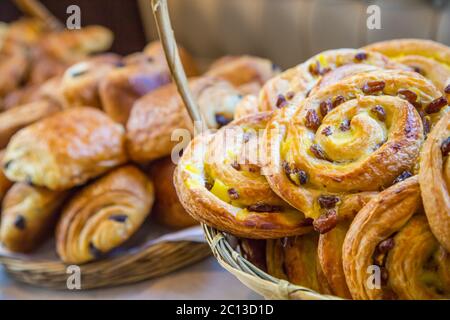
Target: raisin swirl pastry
{"x":434,"y":177}
{"x":28,"y":215}
{"x":294,"y":84}
{"x":156,"y":115}
{"x":295,"y":259}
{"x":429,"y":58}
{"x":348,"y":140}
{"x":391,"y":241}
{"x":66,"y":149}
{"x":103,"y":215}
{"x":219,"y":182}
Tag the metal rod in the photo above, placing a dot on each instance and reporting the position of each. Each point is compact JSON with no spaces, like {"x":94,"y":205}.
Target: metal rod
{"x":166,"y":35}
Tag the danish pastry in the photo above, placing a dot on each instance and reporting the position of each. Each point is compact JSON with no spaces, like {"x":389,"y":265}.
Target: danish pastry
{"x":294,"y":84}
{"x":390,"y":252}
{"x":168,"y":210}
{"x":103,"y":215}
{"x":219,"y":182}
{"x":156,"y":115}
{"x":13,"y":66}
{"x":5,"y":183}
{"x":123,"y":86}
{"x":434,"y":177}
{"x":19,"y":117}
{"x":295,"y":259}
{"x":429,"y":58}
{"x":66,"y":149}
{"x":350,"y":139}
{"x":28,"y":214}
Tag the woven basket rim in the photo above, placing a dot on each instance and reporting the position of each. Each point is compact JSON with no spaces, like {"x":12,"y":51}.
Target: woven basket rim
{"x":235,"y":263}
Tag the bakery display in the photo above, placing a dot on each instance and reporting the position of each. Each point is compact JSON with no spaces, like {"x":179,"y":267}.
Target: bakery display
{"x":355,"y":143}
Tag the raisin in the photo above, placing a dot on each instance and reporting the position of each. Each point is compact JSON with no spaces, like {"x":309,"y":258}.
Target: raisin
{"x":408,"y":95}
{"x":338,"y":100}
{"x":326,"y":222}
{"x":281,"y":101}
{"x":263,"y":207}
{"x":20,"y":222}
{"x":312,"y":120}
{"x":325,"y":107}
{"x":360,"y":56}
{"x":119,"y":218}
{"x":327,"y":131}
{"x":445,"y":147}
{"x":379,"y":112}
{"x":234,"y":195}
{"x":372,"y":87}
{"x":403,"y":176}
{"x":436,"y":105}
{"x":345,"y":125}
{"x":328,"y":201}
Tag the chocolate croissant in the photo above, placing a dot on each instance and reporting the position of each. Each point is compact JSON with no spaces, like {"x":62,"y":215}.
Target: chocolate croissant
{"x":156,"y":115}
{"x":220,"y":183}
{"x":66,"y":149}
{"x":429,"y":58}
{"x":28,"y":215}
{"x":390,"y":252}
{"x":349,"y":140}
{"x":434,"y":178}
{"x":103,"y":215}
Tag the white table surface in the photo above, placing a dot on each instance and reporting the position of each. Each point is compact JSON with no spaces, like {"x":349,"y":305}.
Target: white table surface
{"x":204,"y":280}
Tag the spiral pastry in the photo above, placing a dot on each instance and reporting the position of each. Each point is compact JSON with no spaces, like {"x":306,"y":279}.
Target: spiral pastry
{"x":103,"y":215}
{"x":219,"y":182}
{"x":434,"y":177}
{"x":28,"y":215}
{"x":295,"y":259}
{"x":294,"y":84}
{"x":390,"y":252}
{"x":349,"y":139}
{"x":429,"y":58}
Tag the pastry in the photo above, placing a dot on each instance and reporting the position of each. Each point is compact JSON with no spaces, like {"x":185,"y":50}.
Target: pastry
{"x":14,"y":64}
{"x":434,"y":178}
{"x":295,"y":259}
{"x":5,"y":183}
{"x":155,"y":53}
{"x":429,"y":58}
{"x":28,"y":215}
{"x":155,"y":116}
{"x":254,"y":250}
{"x":294,"y":84}
{"x":66,"y":149}
{"x":390,"y":252}
{"x":168,"y":210}
{"x":220,"y":183}
{"x":80,"y":83}
{"x":103,"y":215}
{"x":247,"y":73}
{"x":123,"y":86}
{"x":19,"y":117}
{"x":348,"y":140}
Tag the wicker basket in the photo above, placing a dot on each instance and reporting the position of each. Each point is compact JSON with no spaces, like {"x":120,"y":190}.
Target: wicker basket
{"x":250,"y":275}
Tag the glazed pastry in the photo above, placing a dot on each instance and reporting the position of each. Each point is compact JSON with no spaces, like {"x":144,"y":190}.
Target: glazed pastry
{"x":168,"y":210}
{"x":295,"y":259}
{"x":13,"y":66}
{"x":220,"y":183}
{"x":103,"y":215}
{"x":390,"y":252}
{"x":123,"y":86}
{"x":80,"y":83}
{"x":19,"y":117}
{"x":155,"y":116}
{"x":5,"y":183}
{"x":348,"y":140}
{"x":25,"y":31}
{"x":293,"y":85}
{"x":155,"y":52}
{"x":429,"y":58}
{"x":434,"y":177}
{"x":66,"y":149}
{"x":247,"y":73}
{"x":28,"y":215}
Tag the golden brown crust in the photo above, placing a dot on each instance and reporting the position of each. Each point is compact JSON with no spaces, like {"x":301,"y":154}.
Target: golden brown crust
{"x":155,"y":116}
{"x":387,"y":236}
{"x":293,"y":85}
{"x":219,"y":182}
{"x":123,"y":86}
{"x":19,"y":117}
{"x":5,"y":183}
{"x":434,"y":177}
{"x":103,"y":215}
{"x":65,"y":149}
{"x":168,"y":210}
{"x":13,"y":66}
{"x":295,"y":259}
{"x":371,"y":137}
{"x":28,"y":215}
{"x":430,"y":58}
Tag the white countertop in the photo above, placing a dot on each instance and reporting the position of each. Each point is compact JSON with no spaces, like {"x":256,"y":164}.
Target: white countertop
{"x":204,"y":280}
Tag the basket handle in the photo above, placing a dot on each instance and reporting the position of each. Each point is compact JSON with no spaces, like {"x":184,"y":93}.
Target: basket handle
{"x":167,"y":37}
{"x":36,"y":9}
